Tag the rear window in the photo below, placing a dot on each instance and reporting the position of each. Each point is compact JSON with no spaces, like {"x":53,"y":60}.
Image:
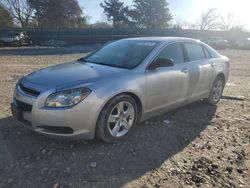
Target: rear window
{"x":195,"y":51}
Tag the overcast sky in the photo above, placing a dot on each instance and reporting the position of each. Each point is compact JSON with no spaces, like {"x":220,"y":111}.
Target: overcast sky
{"x":188,"y":10}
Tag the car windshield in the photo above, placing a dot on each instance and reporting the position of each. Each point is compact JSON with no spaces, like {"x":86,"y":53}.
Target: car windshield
{"x":123,"y":54}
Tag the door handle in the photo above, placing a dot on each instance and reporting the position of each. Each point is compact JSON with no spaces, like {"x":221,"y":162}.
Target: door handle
{"x":185,"y":70}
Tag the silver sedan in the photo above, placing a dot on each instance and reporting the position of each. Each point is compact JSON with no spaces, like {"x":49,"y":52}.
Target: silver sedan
{"x":106,"y":93}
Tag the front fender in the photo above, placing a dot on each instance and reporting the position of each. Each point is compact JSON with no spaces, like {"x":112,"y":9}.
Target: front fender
{"x":108,"y":89}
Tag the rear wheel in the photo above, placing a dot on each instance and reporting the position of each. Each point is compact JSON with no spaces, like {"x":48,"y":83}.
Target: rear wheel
{"x":117,"y":119}
{"x":216,"y":91}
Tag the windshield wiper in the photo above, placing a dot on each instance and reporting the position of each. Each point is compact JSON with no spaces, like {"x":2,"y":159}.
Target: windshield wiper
{"x":82,"y":59}
{"x":106,"y":64}
{"x":100,"y":63}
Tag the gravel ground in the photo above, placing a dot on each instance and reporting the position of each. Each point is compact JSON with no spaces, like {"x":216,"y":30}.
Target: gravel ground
{"x":194,"y":146}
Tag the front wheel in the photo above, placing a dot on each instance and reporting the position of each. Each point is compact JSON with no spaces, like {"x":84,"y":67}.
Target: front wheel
{"x":117,"y":119}
{"x":216,"y":91}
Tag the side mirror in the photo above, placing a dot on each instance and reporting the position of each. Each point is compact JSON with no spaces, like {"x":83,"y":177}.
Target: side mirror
{"x":161,"y":63}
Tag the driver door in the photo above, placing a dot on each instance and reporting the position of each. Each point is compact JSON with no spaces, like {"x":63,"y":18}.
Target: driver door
{"x":167,"y":87}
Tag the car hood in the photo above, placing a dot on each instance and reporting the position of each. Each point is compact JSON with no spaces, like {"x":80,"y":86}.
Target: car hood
{"x":72,"y":73}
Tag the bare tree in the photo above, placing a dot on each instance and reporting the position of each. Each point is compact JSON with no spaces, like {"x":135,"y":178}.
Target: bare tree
{"x":238,"y":28}
{"x":228,"y":23}
{"x":180,"y":23}
{"x":20,"y":10}
{"x":209,"y":20}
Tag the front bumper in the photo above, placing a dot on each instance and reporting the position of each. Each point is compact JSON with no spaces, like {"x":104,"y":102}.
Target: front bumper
{"x":67,"y":123}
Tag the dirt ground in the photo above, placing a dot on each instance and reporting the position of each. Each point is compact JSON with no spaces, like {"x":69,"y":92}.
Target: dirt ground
{"x":202,"y":146}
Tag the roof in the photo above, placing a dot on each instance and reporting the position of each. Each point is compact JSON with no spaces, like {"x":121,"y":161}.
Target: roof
{"x":163,"y":39}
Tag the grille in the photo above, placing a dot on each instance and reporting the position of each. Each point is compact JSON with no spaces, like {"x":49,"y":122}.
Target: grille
{"x":29,"y":91}
{"x":56,"y":130}
{"x":24,"y":106}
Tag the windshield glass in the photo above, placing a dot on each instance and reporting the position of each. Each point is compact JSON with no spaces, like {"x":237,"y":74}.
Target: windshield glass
{"x":124,"y":53}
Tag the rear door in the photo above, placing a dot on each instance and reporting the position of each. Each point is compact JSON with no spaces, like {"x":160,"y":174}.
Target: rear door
{"x":201,"y":69}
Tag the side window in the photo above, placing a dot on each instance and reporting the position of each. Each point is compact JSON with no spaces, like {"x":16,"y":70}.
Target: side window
{"x":172,"y":51}
{"x":195,"y":51}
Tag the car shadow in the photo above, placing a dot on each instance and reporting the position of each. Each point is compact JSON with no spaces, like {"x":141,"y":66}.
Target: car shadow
{"x":31,"y":51}
{"x":36,"y":161}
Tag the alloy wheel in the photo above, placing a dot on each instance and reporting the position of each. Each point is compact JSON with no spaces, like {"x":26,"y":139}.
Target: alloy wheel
{"x":121,"y":119}
{"x":217,"y":91}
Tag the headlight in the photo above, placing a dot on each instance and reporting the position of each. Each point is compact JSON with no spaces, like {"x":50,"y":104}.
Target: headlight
{"x":67,"y":98}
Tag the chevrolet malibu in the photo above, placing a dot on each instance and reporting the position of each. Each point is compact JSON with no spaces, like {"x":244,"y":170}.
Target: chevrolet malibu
{"x":106,"y":93}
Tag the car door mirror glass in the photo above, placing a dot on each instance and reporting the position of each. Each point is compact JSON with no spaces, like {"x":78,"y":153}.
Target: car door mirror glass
{"x":161,"y":62}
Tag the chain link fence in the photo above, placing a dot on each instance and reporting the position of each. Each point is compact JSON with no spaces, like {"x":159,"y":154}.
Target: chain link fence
{"x":92,"y":36}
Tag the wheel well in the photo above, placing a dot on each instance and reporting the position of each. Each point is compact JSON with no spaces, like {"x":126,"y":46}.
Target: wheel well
{"x":221,"y":75}
{"x":134,"y":96}
{"x":138,"y":102}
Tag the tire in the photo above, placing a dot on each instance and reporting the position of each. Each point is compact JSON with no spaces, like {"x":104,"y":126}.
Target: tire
{"x":117,"y":119}
{"x":216,"y":91}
